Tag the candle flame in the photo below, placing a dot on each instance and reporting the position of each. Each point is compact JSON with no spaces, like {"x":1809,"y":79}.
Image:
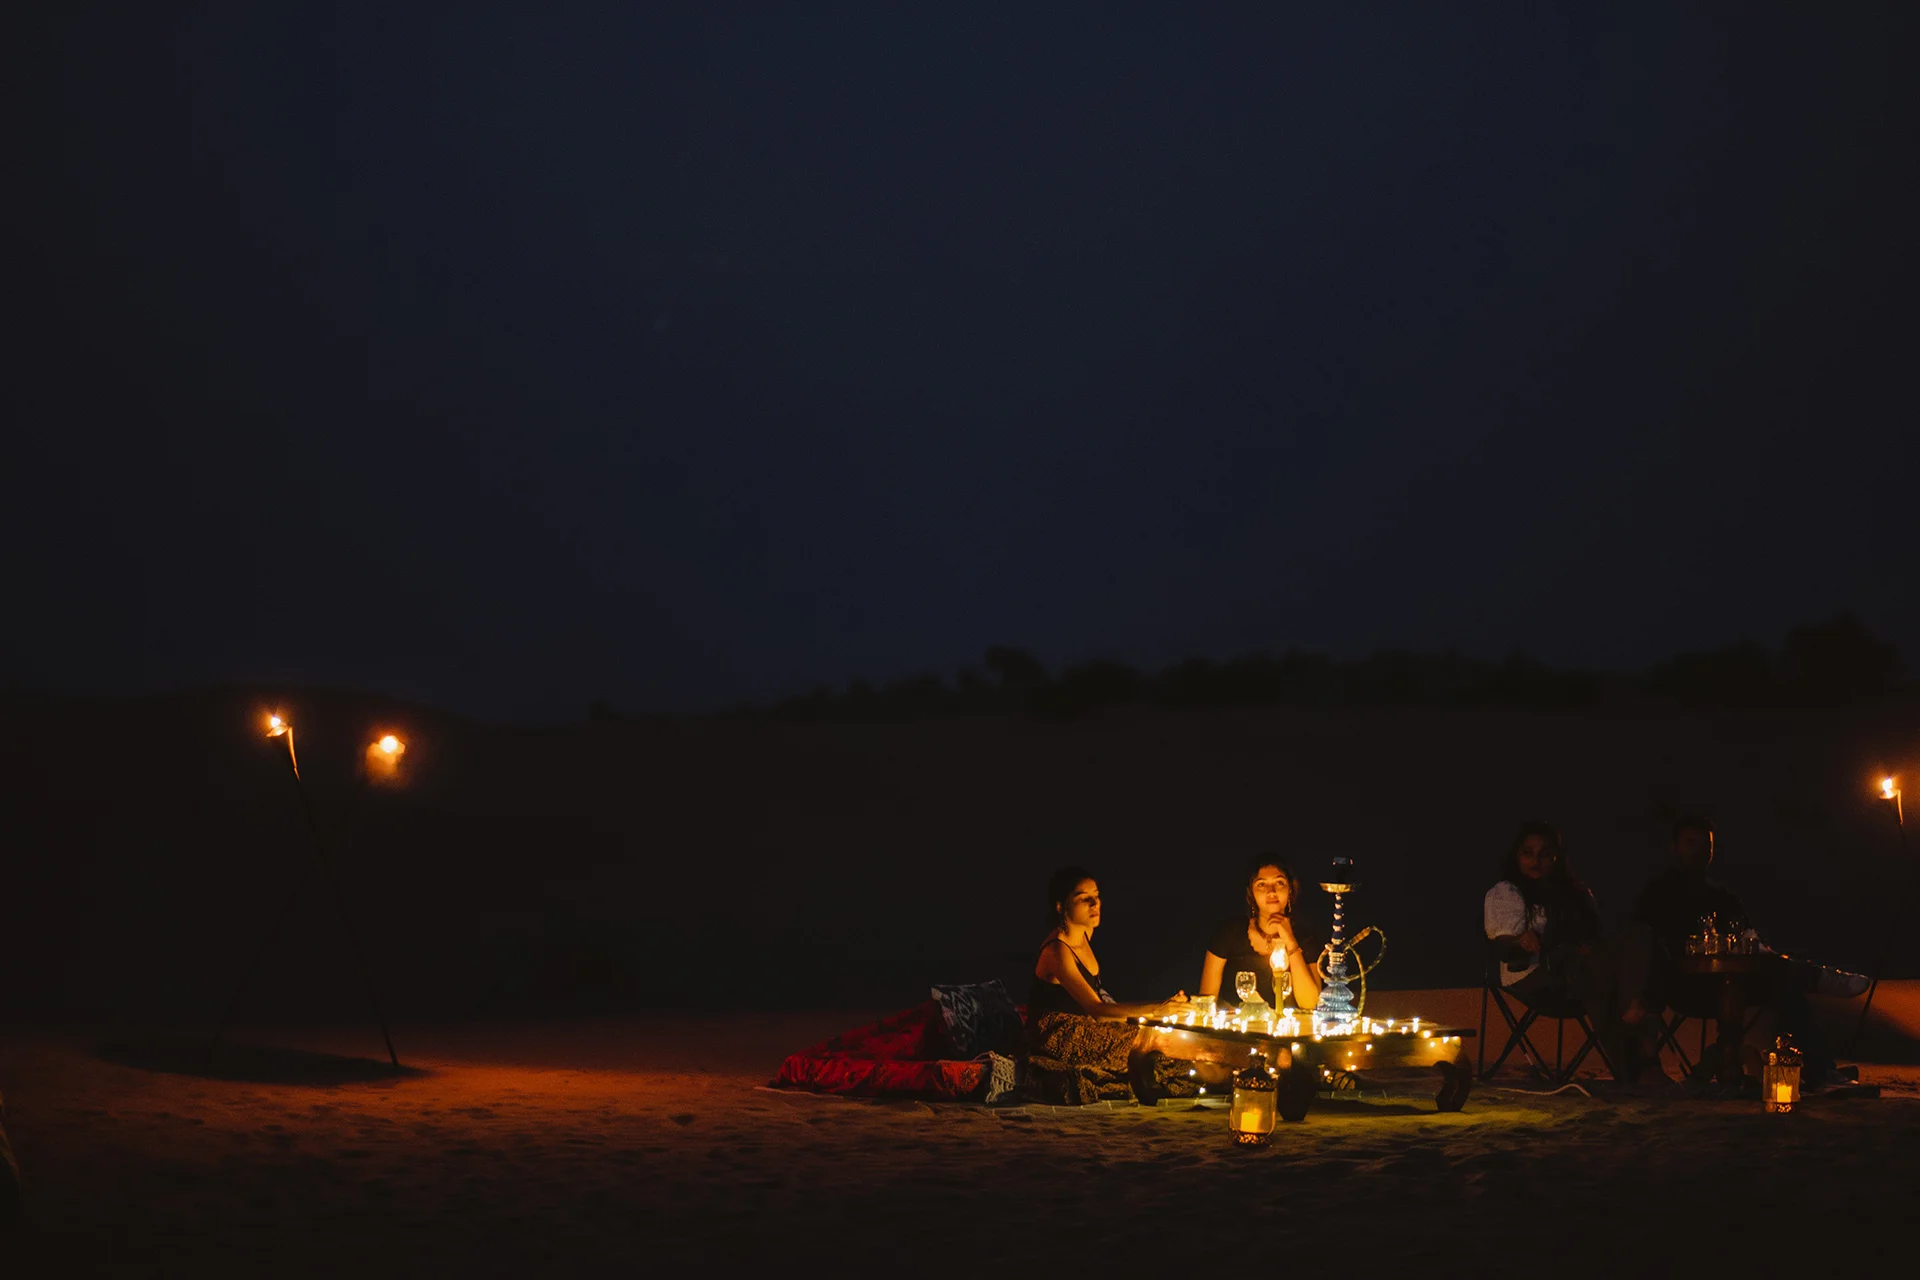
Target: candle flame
{"x":391,"y":745}
{"x":1886,"y":788}
{"x":275,"y":726}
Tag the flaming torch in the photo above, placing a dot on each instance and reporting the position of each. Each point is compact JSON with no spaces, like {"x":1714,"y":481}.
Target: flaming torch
{"x":382,"y":766}
{"x":1889,"y":796}
{"x":278,"y":726}
{"x":383,"y":759}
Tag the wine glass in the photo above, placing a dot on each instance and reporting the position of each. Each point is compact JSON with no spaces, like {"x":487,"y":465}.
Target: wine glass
{"x":1246,"y":985}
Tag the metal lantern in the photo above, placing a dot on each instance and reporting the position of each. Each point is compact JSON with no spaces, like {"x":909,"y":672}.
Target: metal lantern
{"x":1780,"y":1082}
{"x":1254,"y":1097}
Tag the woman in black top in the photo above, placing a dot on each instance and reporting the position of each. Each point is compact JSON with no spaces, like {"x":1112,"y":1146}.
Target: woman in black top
{"x":1248,"y":945}
{"x":1077,"y":1034}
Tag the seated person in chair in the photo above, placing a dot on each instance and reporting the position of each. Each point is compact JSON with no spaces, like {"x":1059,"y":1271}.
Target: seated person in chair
{"x":1673,"y":905}
{"x":1078,"y":1037}
{"x":1543,"y":923}
{"x":1247,"y":945}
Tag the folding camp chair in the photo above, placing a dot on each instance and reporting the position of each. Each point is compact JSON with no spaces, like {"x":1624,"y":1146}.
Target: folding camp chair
{"x":1683,"y":1008}
{"x":1670,"y":1023}
{"x":1562,"y":1011}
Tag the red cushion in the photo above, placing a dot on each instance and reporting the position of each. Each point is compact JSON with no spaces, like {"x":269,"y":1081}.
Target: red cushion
{"x":866,"y":1077}
{"x":918,"y":1033}
{"x":898,"y":1054}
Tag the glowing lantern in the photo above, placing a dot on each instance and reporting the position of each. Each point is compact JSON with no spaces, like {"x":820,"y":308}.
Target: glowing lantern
{"x":1780,"y":1081}
{"x":1254,"y":1097}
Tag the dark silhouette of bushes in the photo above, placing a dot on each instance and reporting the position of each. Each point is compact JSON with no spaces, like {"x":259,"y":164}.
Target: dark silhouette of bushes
{"x":1522,"y":682}
{"x":1084,"y":688}
{"x":1015,"y":668}
{"x":1836,"y":661}
{"x":1824,"y":663}
{"x":1827,"y":663}
{"x":1253,"y":679}
{"x":1736,"y":675}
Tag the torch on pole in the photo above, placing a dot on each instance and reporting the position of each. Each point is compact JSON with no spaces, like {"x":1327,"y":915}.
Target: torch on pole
{"x":1889,"y":796}
{"x":383,"y":758}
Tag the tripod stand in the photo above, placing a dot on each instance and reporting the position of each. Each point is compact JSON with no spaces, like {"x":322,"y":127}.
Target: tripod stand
{"x":325,"y":842}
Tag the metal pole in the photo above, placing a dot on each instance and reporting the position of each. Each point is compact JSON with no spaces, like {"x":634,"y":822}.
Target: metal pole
{"x":324,"y":844}
{"x":280,"y":921}
{"x":1886,"y":945}
{"x":346,"y":919}
{"x":253,"y":966}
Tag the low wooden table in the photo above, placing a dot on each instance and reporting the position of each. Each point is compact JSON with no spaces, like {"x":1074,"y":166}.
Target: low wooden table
{"x":1304,"y":1061}
{"x":1737,"y":975}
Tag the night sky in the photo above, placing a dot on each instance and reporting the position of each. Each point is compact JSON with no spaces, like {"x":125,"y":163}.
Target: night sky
{"x":510,"y":359}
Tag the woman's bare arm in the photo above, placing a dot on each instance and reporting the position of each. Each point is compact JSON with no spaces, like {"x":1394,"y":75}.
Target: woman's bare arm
{"x":1212,"y":970}
{"x":1056,"y":963}
{"x":1306,"y":977}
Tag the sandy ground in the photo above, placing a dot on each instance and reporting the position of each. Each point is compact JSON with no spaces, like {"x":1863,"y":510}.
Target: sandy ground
{"x":601,"y":1148}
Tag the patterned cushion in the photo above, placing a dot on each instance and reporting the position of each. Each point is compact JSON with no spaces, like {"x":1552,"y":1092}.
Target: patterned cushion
{"x":980,"y":1018}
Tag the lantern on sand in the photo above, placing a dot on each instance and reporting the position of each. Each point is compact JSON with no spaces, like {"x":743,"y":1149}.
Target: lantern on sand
{"x":1254,"y":1097}
{"x":1780,"y":1081}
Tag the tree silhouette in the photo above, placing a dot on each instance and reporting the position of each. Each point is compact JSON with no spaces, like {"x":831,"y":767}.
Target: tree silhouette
{"x":1733,"y":675}
{"x":1014,"y":668}
{"x":1838,"y":660}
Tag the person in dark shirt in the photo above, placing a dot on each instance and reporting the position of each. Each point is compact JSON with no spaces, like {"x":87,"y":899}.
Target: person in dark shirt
{"x":1674,"y":904}
{"x":1251,"y":943}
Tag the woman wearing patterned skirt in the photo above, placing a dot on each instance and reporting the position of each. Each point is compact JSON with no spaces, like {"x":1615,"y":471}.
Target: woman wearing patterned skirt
{"x":1078,"y":1036}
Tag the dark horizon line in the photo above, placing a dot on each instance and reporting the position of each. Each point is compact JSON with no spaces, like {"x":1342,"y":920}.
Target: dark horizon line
{"x":1833,"y":662}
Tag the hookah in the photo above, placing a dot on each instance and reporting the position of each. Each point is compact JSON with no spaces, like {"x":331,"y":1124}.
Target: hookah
{"x":1339,"y":1009}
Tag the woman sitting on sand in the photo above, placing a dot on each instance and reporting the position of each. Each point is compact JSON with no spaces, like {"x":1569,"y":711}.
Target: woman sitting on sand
{"x":1543,"y":923}
{"x":1248,"y":945}
{"x":1078,"y":1039}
